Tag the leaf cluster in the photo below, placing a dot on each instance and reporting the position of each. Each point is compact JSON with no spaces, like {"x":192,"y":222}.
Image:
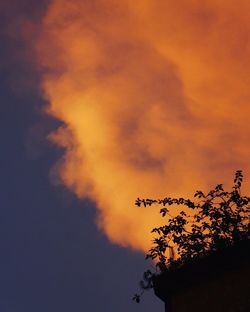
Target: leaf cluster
{"x":208,"y":223}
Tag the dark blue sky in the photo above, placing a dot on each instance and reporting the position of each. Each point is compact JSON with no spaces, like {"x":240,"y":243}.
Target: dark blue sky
{"x":53,"y":258}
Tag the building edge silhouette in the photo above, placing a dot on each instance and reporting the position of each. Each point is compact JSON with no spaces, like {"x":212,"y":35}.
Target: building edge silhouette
{"x":218,"y":282}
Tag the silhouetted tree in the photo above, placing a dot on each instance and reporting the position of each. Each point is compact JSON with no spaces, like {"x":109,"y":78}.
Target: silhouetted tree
{"x":210,"y":222}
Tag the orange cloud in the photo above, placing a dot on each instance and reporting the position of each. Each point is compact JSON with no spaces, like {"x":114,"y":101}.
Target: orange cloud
{"x":154,"y":96}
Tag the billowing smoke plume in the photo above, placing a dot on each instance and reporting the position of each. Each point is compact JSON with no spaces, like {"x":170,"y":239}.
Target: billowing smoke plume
{"x":155,"y":100}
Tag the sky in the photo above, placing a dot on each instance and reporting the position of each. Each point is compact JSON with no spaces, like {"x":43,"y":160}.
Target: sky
{"x":102,"y":102}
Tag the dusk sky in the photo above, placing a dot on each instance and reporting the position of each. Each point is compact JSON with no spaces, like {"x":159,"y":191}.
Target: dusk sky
{"x":103,"y":101}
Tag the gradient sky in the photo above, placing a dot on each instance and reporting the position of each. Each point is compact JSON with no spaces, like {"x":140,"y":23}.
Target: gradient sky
{"x":103,"y":101}
{"x":53,"y":258}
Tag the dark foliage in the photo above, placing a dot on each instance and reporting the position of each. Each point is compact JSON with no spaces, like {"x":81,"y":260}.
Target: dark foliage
{"x":210,"y":223}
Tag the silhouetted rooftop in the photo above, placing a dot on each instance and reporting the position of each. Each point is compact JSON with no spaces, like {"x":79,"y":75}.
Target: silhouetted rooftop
{"x":211,"y":270}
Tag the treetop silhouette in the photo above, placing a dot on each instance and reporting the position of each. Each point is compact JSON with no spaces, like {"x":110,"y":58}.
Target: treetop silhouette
{"x":211,"y":222}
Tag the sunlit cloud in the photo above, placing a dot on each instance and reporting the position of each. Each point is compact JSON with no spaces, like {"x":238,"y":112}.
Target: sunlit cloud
{"x":154,"y":97}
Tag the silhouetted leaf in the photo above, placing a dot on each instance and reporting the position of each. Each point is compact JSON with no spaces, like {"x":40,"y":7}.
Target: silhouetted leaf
{"x":217,"y":220}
